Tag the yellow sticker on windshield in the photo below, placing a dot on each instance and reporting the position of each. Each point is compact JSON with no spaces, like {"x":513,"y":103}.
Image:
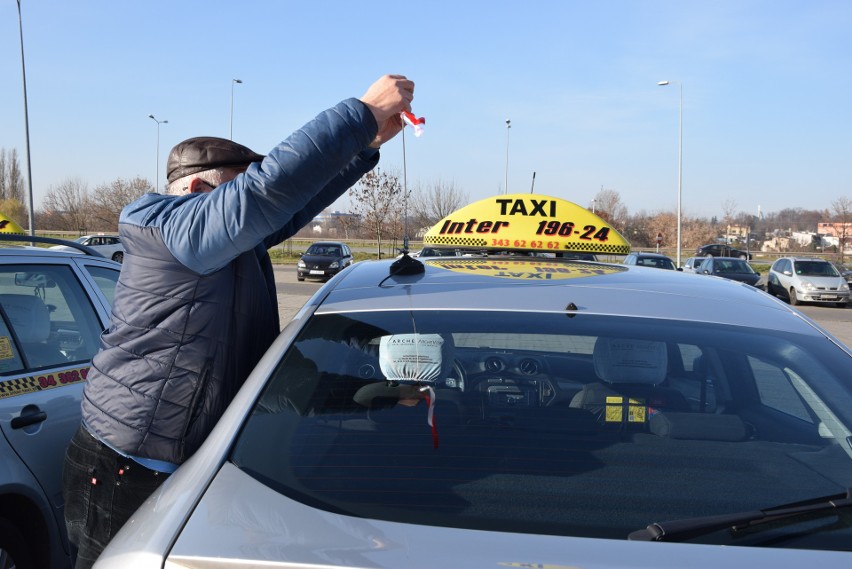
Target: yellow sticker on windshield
{"x":527,"y":222}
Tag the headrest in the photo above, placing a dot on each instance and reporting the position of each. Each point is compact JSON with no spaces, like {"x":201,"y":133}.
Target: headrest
{"x":29,"y":316}
{"x":619,"y":360}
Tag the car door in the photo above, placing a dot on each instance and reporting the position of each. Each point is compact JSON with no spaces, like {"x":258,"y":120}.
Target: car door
{"x":52,"y":318}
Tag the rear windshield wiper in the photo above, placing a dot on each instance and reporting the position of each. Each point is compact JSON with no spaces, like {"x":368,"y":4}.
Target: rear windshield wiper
{"x":680,"y":530}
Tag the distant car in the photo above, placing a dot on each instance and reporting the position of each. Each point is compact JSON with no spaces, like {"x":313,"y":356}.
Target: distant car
{"x":53,"y":307}
{"x":720,"y":250}
{"x":577,"y":256}
{"x":729,"y":268}
{"x":844,"y":270}
{"x":436,"y":252}
{"x":107,"y":245}
{"x":655,"y":260}
{"x":807,"y":280}
{"x":691,"y":264}
{"x":323,"y":260}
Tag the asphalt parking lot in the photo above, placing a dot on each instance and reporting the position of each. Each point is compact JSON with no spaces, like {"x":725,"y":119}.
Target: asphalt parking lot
{"x":293,"y":294}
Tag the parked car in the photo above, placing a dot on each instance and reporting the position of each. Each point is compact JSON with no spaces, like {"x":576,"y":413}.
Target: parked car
{"x":53,"y":307}
{"x":729,"y":268}
{"x":844,"y":270}
{"x":521,"y":411}
{"x":323,"y":260}
{"x":807,"y":280}
{"x":107,"y":245}
{"x":720,"y":250}
{"x":656,"y":260}
{"x":691,"y":264}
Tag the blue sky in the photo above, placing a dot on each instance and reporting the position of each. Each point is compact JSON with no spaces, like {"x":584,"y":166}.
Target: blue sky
{"x":767,"y":87}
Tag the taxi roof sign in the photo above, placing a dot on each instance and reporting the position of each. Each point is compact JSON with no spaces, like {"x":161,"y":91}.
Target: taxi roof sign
{"x":527,"y":222}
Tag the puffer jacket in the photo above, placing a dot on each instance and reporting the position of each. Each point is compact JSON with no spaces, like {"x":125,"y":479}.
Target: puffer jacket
{"x":195,"y":306}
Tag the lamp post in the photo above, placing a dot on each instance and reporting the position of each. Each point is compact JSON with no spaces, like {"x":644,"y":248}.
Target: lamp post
{"x":157,"y":186}
{"x":679,"y":164}
{"x":233,"y":82}
{"x":508,"y":126}
{"x":26,"y":122}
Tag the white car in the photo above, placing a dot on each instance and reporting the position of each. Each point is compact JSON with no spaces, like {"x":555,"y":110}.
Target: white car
{"x":107,"y":245}
{"x":691,"y":264}
{"x":517,"y":411}
{"x":807,"y":280}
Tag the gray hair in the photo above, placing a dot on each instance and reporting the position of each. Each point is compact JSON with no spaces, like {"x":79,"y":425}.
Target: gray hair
{"x":214,"y":177}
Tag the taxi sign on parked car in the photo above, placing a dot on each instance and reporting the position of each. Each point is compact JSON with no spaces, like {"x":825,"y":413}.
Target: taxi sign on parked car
{"x":526,"y":222}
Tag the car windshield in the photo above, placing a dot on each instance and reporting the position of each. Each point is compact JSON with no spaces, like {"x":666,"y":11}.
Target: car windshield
{"x":732,"y":266}
{"x":324,"y":250}
{"x":533,"y":422}
{"x":816,"y":269}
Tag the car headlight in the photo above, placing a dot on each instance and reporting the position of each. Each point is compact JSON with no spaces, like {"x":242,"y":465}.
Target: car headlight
{"x":844,"y":286}
{"x":301,"y":264}
{"x":334,"y":265}
{"x":807,"y":285}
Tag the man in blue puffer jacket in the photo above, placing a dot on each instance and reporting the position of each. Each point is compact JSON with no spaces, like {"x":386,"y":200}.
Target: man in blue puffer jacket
{"x":195,"y":306}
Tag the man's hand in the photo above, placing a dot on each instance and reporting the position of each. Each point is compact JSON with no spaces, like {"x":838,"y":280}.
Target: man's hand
{"x":386,"y":98}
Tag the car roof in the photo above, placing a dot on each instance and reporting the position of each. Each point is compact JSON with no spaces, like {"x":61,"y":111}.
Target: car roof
{"x":553,"y":285}
{"x":654,"y":255}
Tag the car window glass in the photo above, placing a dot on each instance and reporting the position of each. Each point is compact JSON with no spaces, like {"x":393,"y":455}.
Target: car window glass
{"x":50,"y":314}
{"x":775,"y":389}
{"x":535,"y":422}
{"x":105,"y":279}
{"x":10,"y":357}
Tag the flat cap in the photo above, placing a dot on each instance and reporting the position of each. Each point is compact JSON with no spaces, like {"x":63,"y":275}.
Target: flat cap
{"x":201,"y":153}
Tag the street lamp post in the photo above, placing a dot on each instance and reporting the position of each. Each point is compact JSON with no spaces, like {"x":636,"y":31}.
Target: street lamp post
{"x":157,"y":186}
{"x":26,"y":122}
{"x":508,"y":126}
{"x":233,"y":82}
{"x":679,"y":165}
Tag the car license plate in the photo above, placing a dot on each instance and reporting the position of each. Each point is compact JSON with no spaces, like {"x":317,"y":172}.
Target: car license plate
{"x":317,"y":272}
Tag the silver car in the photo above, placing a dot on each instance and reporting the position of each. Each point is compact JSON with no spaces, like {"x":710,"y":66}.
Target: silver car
{"x":807,"y":280}
{"x":521,"y":412}
{"x":53,"y":307}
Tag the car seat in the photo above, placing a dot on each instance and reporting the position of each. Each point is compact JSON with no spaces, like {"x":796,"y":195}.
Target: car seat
{"x":30,"y":319}
{"x":631,"y":390}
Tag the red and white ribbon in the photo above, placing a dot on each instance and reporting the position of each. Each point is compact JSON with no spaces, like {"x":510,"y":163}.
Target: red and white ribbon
{"x":415,"y":122}
{"x":430,"y":414}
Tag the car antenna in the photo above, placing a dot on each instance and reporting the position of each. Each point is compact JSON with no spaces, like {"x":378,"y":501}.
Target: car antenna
{"x":407,"y":265}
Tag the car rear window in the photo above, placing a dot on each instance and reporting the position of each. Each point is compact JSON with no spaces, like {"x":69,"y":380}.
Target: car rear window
{"x":512,"y":421}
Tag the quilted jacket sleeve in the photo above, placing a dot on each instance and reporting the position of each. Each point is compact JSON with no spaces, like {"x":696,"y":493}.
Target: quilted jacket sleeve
{"x":273,"y":199}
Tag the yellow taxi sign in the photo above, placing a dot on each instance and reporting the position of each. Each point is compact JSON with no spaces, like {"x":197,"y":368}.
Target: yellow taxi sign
{"x":527,"y":222}
{"x":7,"y":225}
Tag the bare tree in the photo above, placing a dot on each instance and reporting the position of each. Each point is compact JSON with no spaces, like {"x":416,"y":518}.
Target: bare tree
{"x":427,"y":207}
{"x":67,"y":205}
{"x":608,"y":206}
{"x":14,"y":178}
{"x":378,"y":198}
{"x":2,"y":173}
{"x":108,"y":200}
{"x":842,"y":214}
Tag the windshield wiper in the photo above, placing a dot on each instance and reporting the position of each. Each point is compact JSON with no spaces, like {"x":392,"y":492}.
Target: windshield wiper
{"x":679,"y":530}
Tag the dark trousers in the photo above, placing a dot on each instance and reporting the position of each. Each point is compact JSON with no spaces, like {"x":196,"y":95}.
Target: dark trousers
{"x":102,"y":489}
